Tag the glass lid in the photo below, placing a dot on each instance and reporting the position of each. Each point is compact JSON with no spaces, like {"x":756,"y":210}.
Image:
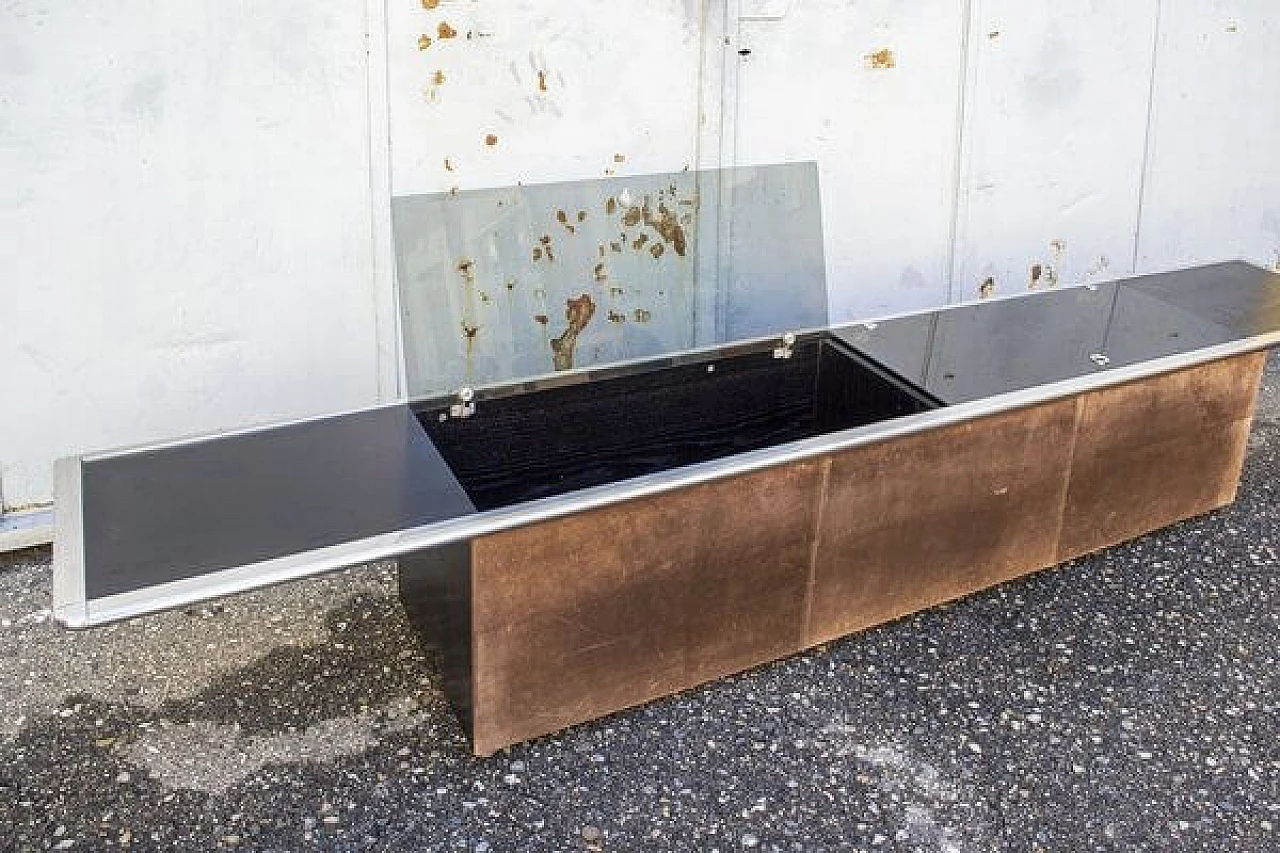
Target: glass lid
{"x":501,"y":285}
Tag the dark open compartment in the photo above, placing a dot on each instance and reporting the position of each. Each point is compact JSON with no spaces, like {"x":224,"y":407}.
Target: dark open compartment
{"x":555,"y":440}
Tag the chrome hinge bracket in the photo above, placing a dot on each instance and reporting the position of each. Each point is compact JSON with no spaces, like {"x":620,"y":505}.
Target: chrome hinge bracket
{"x":785,"y":351}
{"x":466,"y":405}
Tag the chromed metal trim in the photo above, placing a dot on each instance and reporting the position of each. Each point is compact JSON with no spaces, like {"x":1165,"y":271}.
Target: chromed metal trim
{"x":389,"y":545}
{"x":26,"y":528}
{"x":69,"y":604}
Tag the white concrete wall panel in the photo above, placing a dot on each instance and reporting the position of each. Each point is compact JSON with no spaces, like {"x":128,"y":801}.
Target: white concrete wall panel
{"x":871,"y":91}
{"x":184,"y":222}
{"x":1213,"y":173}
{"x":1056,"y":108}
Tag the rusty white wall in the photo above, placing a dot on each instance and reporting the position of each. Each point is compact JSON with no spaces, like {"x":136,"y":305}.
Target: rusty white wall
{"x":194,"y":225}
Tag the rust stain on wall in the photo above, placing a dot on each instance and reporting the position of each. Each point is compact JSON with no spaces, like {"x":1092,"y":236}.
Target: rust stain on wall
{"x":448,"y":164}
{"x":542,"y":319}
{"x":639,"y":242}
{"x":600,"y":272}
{"x":656,"y":250}
{"x":615,"y":317}
{"x":491,"y":139}
{"x":610,"y":206}
{"x":641,"y":315}
{"x":430,"y":4}
{"x":988,"y":288}
{"x":578,"y":313}
{"x":445,"y":31}
{"x":424,"y":42}
{"x":1037,"y":270}
{"x":468,"y":269}
{"x":542,"y":81}
{"x":545,"y":240}
{"x":882,"y":59}
{"x":667,"y":226}
{"x":633,"y":216}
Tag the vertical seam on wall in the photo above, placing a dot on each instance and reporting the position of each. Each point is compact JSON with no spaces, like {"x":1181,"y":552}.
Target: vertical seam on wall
{"x":814,"y":542}
{"x":968,"y":67}
{"x":388,"y":363}
{"x":1146,"y":141}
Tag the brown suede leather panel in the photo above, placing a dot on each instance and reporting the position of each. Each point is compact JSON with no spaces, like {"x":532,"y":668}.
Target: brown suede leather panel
{"x":585,"y":615}
{"x":1154,"y":452}
{"x":578,"y":617}
{"x":931,"y":517}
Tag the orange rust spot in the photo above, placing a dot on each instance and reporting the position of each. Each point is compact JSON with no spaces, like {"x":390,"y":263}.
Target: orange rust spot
{"x":448,"y":164}
{"x":615,"y":317}
{"x":610,"y":206}
{"x":542,"y":318}
{"x":430,"y":4}
{"x":656,"y":250}
{"x":987,"y":288}
{"x":600,"y":272}
{"x":468,"y":269}
{"x":542,"y":81}
{"x":445,"y":31}
{"x":545,"y":240}
{"x":578,"y":313}
{"x":619,"y":158}
{"x":537,"y":253}
{"x":491,"y":140}
{"x":437,"y":79}
{"x":633,"y":216}
{"x":1037,"y":271}
{"x":881,"y":59}
{"x":424,"y":42}
{"x":667,"y":227}
{"x":561,"y":218}
{"x":638,"y":243}
{"x":641,"y":315}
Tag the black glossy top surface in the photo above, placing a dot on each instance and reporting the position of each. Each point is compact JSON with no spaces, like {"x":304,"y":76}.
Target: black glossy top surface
{"x":181,"y":511}
{"x":988,"y":348}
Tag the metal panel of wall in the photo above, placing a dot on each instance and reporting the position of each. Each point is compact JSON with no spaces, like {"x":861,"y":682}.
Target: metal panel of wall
{"x":1213,"y":172}
{"x":1055,"y":127}
{"x":871,"y":91}
{"x":184,"y":204}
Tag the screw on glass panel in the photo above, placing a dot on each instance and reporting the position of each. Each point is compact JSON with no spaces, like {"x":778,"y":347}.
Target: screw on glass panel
{"x":1099,"y":359}
{"x":465,"y":407}
{"x":711,"y":368}
{"x":784,"y":351}
{"x":869,"y":326}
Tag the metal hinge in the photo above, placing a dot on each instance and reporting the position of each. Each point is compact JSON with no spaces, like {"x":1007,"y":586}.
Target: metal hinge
{"x":784,"y":351}
{"x":466,"y":405}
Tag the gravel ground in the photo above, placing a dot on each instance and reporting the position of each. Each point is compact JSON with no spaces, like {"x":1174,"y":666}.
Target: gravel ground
{"x":1127,"y":701}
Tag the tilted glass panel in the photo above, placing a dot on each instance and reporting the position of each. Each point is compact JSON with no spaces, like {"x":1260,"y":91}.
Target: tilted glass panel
{"x":499,"y":285}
